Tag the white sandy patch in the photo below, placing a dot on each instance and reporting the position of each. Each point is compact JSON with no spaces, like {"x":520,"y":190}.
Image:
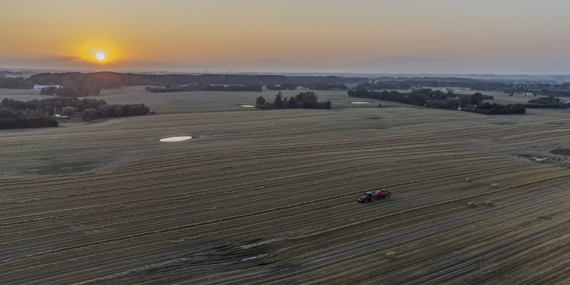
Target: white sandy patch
{"x":175,"y":139}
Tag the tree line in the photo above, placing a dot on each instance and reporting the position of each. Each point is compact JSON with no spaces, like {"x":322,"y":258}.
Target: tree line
{"x":15,"y":115}
{"x":205,"y":87}
{"x":497,"y":109}
{"x":471,"y":103}
{"x":546,"y":102}
{"x":307,"y":100}
{"x":47,"y":105}
{"x":394,"y":96}
{"x":14,"y":111}
{"x":114,"y":110}
{"x":88,"y":83}
{"x":89,"y":89}
{"x":23,"y":122}
{"x":504,"y":85}
{"x":559,"y":93}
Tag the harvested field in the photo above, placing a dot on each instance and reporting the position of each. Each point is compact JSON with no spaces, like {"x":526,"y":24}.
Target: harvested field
{"x":269,"y":197}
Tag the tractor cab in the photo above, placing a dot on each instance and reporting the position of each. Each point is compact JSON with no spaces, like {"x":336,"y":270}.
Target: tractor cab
{"x":366,"y":198}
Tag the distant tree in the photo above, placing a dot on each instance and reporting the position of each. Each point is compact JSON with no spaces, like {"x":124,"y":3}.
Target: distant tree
{"x":451,"y":105}
{"x":126,"y":110}
{"x":309,"y":99}
{"x":292,"y":102}
{"x":477,"y":98}
{"x":278,"y":103}
{"x":7,"y":113}
{"x":104,"y":111}
{"x":260,"y":101}
{"x":67,"y":92}
{"x":68,"y":111}
{"x":48,"y":90}
{"x":89,"y":114}
{"x":137,"y":110}
{"x":118,"y":112}
{"x":464,"y":101}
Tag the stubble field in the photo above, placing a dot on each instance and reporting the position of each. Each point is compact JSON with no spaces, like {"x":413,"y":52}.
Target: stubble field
{"x":269,"y":197}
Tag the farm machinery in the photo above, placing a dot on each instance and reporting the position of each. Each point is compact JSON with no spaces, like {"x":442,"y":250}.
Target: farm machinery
{"x":379,"y":194}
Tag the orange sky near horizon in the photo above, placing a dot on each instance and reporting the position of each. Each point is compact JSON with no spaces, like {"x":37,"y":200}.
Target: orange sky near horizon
{"x":229,"y":34}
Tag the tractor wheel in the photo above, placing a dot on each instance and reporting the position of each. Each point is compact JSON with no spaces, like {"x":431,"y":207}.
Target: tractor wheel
{"x":386,"y":197}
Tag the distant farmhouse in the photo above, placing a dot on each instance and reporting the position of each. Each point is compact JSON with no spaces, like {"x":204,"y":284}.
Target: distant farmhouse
{"x":40,"y":87}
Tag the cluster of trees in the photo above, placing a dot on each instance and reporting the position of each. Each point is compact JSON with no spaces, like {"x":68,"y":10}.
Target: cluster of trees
{"x":79,"y":91}
{"x":419,"y":98}
{"x":546,"y":102}
{"x":558,"y":93}
{"x":432,"y":82}
{"x":394,"y":96}
{"x":114,"y":110}
{"x":10,"y":108}
{"x":107,"y":80}
{"x":307,"y":100}
{"x":496,"y":109}
{"x":47,"y":105}
{"x":504,"y":85}
{"x":16,"y":83}
{"x":22,"y":123}
{"x":89,"y":84}
{"x":450,"y":104}
{"x":15,"y":115}
{"x":48,"y":90}
{"x":463,"y":101}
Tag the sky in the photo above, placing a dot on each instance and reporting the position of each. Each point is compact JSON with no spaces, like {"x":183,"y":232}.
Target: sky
{"x":333,"y":36}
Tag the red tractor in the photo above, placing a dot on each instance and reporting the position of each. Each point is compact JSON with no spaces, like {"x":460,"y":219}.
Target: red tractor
{"x":379,"y":194}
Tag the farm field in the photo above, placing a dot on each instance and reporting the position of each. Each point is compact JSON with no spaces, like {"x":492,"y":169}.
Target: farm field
{"x":269,"y":197}
{"x":212,"y":101}
{"x":186,"y":102}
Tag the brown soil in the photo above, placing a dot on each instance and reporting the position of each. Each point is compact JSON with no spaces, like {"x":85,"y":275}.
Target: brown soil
{"x":269,"y":197}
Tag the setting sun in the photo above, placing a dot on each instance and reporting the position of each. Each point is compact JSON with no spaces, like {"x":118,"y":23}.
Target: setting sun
{"x":100,"y":56}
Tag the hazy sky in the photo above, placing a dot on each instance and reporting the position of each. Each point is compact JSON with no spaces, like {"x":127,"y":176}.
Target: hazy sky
{"x":428,"y":36}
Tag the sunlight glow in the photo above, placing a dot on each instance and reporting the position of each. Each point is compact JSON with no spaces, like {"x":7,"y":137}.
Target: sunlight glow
{"x":100,"y":56}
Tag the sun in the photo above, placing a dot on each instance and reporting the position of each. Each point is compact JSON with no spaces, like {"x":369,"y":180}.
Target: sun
{"x":100,"y":56}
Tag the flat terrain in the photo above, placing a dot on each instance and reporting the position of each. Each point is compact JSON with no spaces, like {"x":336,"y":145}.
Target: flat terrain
{"x":269,"y":197}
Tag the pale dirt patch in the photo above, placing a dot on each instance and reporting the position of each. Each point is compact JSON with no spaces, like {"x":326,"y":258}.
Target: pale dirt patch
{"x":176,"y":139}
